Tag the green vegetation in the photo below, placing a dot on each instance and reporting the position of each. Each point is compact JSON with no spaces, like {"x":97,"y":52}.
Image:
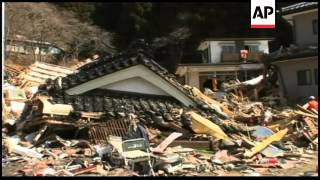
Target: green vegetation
{"x":174,"y":30}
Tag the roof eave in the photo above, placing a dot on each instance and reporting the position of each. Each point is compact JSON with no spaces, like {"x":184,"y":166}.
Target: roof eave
{"x":291,"y":14}
{"x":239,"y":38}
{"x":293,"y":59}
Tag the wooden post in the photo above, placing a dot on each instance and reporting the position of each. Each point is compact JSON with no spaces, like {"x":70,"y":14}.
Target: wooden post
{"x":241,"y":94}
{"x":194,"y":79}
{"x":256,"y":96}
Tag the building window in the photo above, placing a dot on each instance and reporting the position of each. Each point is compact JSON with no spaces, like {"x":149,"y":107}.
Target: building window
{"x":253,"y":48}
{"x":304,"y":77}
{"x":228,"y":49}
{"x":316,"y":76}
{"x":205,"y":56}
{"x":315,"y":26}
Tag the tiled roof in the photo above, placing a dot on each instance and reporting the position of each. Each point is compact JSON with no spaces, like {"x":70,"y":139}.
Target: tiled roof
{"x":299,"y":7}
{"x":293,"y":52}
{"x":117,"y":105}
{"x":111,"y":64}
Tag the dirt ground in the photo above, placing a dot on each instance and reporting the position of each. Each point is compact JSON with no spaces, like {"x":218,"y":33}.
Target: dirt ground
{"x":299,"y":168}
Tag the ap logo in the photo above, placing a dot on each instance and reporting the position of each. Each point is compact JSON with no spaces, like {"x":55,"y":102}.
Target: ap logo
{"x":263,"y":13}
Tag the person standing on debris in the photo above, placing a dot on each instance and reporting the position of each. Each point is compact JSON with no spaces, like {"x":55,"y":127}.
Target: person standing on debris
{"x":214,"y":83}
{"x":312,"y":104}
{"x":267,"y":117}
{"x":244,"y":54}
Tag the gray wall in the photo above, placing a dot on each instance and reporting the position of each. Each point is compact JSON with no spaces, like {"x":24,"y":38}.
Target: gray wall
{"x":288,"y":69}
{"x":304,"y":29}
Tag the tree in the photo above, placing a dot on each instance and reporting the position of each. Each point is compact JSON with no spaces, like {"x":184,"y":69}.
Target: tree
{"x":157,"y":22}
{"x":45,"y":22}
{"x":173,"y":29}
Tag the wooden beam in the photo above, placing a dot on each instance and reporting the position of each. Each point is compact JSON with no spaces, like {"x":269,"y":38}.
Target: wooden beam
{"x":312,"y":127}
{"x":306,"y":114}
{"x":40,"y":75}
{"x":49,"y":72}
{"x":38,"y":80}
{"x":265,"y":143}
{"x":52,"y":67}
{"x":306,"y":110}
{"x":179,"y":129}
{"x":256,"y":94}
{"x":84,"y":170}
{"x":202,"y":125}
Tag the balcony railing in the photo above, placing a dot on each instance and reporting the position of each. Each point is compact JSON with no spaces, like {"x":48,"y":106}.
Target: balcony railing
{"x":235,"y":57}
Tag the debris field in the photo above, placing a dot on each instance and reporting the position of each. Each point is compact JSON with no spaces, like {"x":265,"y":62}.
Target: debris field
{"x":58,"y":121}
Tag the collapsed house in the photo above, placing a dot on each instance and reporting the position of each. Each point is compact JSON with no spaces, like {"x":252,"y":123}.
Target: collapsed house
{"x":103,"y":94}
{"x":128,"y":97}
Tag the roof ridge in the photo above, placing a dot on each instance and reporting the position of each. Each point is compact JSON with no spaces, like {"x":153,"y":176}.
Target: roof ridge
{"x":297,"y":6}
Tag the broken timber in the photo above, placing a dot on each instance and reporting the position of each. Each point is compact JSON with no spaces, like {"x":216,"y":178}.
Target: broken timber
{"x":313,"y":128}
{"x":210,"y":102}
{"x":306,"y":114}
{"x":202,"y":125}
{"x":262,"y":145}
{"x":306,"y":110}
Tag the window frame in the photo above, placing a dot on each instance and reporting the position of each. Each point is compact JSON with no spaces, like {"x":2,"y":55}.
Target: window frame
{"x":257,"y":46}
{"x":205,"y":55}
{"x":315,"y":26}
{"x":225,"y":45}
{"x":315,"y":73}
{"x":307,"y":83}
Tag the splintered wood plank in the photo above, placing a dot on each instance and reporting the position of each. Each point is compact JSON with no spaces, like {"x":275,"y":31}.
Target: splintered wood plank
{"x":44,"y":71}
{"x":305,"y":110}
{"x":225,"y":109}
{"x":202,"y":125}
{"x":263,"y":144}
{"x":33,"y":79}
{"x":312,"y":127}
{"x":306,"y":114}
{"x":216,"y":105}
{"x":52,"y":67}
{"x":40,"y":75}
{"x":51,"y":122}
{"x":179,"y":129}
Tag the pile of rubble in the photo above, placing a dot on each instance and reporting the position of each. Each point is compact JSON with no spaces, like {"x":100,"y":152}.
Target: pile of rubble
{"x":52,"y":133}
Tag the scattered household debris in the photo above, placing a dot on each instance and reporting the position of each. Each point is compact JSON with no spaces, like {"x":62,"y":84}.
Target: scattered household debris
{"x":53,"y":133}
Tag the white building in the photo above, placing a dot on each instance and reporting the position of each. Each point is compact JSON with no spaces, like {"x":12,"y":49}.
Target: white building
{"x":221,"y":59}
{"x":304,"y":19}
{"x":298,"y":65}
{"x":31,"y":47}
{"x":224,"y":50}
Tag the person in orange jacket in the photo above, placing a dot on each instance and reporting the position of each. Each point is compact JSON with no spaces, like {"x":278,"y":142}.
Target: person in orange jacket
{"x":214,"y":83}
{"x":312,"y":104}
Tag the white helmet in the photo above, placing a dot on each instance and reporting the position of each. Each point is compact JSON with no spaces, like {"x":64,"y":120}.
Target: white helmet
{"x":312,"y":97}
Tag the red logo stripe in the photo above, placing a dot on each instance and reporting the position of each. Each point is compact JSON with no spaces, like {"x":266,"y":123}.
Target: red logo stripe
{"x":262,"y":26}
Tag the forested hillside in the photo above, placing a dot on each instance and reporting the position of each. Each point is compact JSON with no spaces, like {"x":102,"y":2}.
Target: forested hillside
{"x":173,"y":29}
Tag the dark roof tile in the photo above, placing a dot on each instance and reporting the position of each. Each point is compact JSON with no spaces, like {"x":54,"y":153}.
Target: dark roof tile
{"x":293,"y":52}
{"x":299,"y":7}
